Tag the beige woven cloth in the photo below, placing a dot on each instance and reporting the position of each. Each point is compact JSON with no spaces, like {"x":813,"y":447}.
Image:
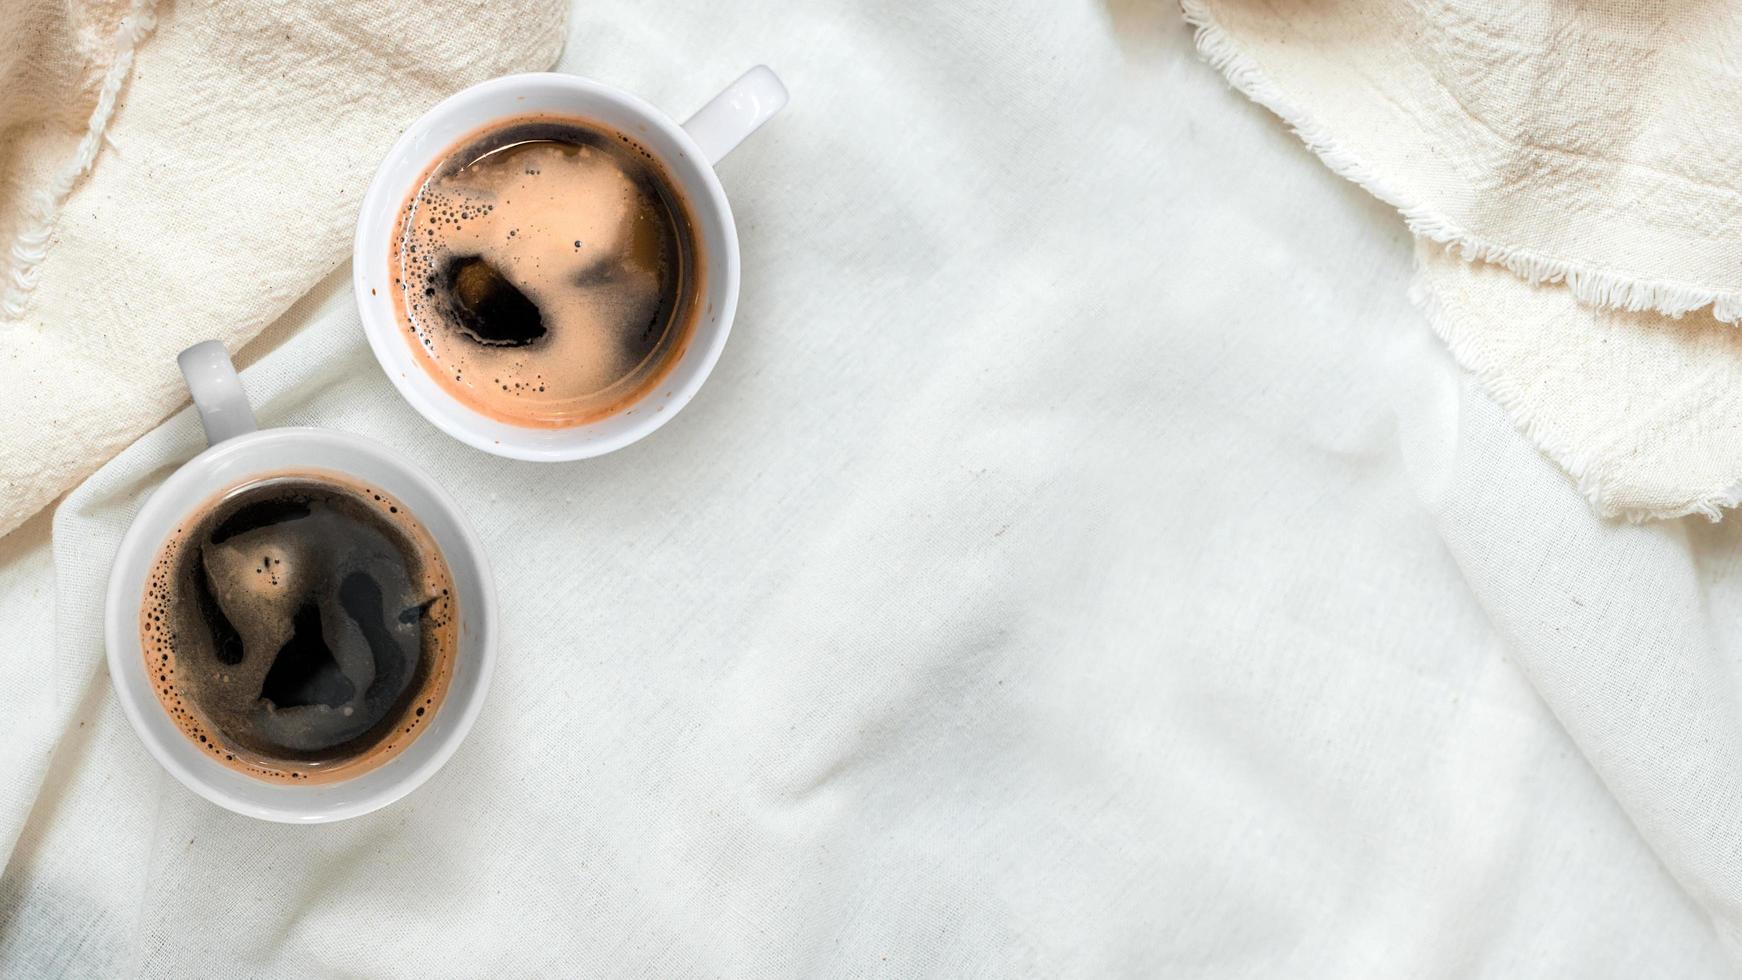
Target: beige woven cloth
{"x":1575,"y":174}
{"x":177,"y":171}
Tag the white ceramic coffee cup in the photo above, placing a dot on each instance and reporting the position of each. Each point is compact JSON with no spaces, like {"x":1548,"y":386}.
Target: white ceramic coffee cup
{"x":688,"y":153}
{"x":239,"y":452}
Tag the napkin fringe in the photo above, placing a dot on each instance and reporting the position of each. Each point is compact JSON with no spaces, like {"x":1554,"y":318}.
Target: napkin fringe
{"x":1584,"y":470}
{"x":31,"y":245}
{"x":1590,"y":286}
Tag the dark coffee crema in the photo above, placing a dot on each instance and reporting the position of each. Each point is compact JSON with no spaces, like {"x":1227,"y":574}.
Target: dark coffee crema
{"x":547,"y":271}
{"x":300,"y":626}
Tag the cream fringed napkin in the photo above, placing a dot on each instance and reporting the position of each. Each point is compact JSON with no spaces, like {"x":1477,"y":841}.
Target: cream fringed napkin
{"x":180,"y":171}
{"x":1643,"y":411}
{"x":1595,"y":152}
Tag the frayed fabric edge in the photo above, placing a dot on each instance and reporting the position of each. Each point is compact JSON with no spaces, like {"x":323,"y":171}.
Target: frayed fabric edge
{"x":1589,"y":286}
{"x":1710,"y":505}
{"x":31,"y":245}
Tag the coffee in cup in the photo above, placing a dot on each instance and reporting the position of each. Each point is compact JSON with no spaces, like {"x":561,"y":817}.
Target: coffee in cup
{"x":300,"y":626}
{"x":547,"y":269}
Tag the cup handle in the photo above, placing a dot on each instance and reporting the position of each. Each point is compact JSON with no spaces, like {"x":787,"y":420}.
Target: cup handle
{"x":735,"y":113}
{"x":217,"y":391}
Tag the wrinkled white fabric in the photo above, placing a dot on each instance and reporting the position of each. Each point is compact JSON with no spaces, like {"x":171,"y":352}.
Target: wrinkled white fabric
{"x":1591,"y":149}
{"x":1083,"y":562}
{"x":223,"y":185}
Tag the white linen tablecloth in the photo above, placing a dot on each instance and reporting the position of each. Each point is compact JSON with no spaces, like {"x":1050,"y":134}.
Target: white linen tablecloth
{"x":1084,"y":561}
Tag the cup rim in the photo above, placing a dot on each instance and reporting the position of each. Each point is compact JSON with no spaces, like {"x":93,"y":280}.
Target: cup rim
{"x":445,"y":412}
{"x":182,"y":491}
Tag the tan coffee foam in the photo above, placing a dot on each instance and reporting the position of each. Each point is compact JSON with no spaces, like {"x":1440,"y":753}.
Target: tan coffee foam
{"x":523,"y":209}
{"x":158,"y":642}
